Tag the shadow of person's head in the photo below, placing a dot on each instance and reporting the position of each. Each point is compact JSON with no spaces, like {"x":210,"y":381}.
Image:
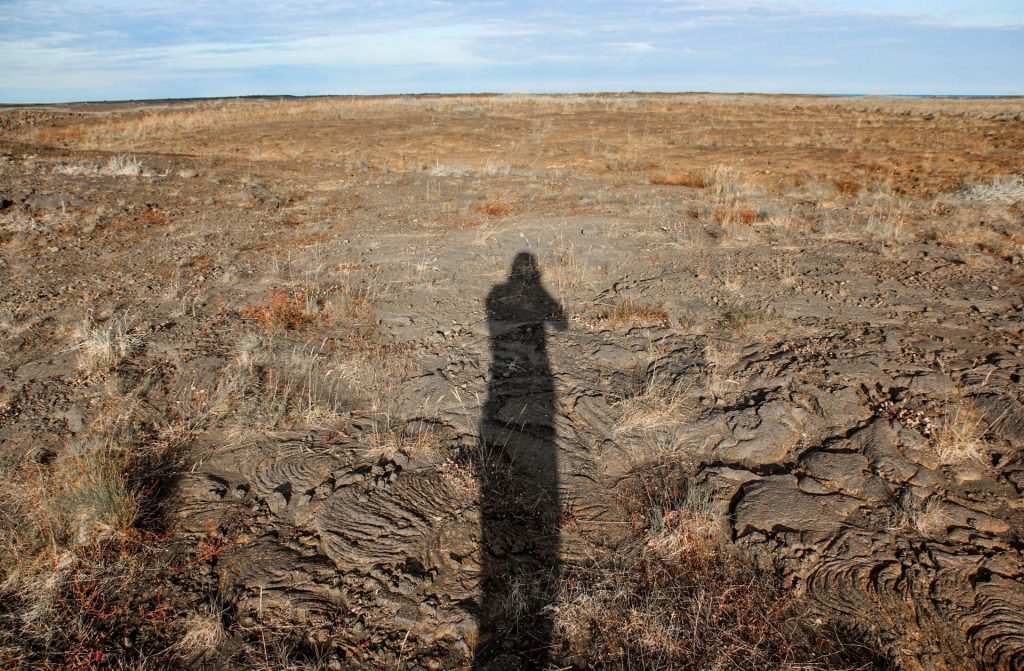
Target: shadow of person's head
{"x":523,"y":297}
{"x":524,"y":269}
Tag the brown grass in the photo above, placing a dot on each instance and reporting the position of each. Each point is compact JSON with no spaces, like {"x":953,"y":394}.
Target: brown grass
{"x":894,"y":141}
{"x":496,"y":209}
{"x":285,"y":310}
{"x":959,"y":436}
{"x":78,"y":558}
{"x":734,"y":214}
{"x":678,"y":597}
{"x":846,"y":187}
{"x":691,"y":181}
{"x":628,"y":313}
{"x":154,"y":217}
{"x":747,"y":217}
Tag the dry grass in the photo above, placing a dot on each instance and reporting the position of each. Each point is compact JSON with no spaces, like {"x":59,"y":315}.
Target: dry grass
{"x":655,"y":407}
{"x":547,"y":132}
{"x":204,"y":632}
{"x":440,"y":170}
{"x":959,"y":436}
{"x":887,"y":221}
{"x":417,"y":442}
{"x":929,"y":519}
{"x":120,"y":165}
{"x":271,"y":386}
{"x":284,"y":310}
{"x":570,"y":272}
{"x":678,"y":597}
{"x":997,"y":204}
{"x":77,"y":558}
{"x":675,"y":532}
{"x":123,"y":165}
{"x":1008,"y":190}
{"x":628,"y":313}
{"x":103,"y":347}
{"x":925,"y":517}
{"x":496,"y":209}
{"x":316,"y":292}
{"x":690,"y":181}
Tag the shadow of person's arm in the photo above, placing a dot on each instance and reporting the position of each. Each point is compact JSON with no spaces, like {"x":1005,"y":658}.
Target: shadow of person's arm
{"x":557,"y":315}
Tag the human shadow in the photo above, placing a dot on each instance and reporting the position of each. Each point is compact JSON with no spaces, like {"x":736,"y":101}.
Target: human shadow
{"x":518,"y":473}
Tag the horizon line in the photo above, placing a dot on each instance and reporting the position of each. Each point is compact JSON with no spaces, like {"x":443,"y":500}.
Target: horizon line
{"x":494,"y":94}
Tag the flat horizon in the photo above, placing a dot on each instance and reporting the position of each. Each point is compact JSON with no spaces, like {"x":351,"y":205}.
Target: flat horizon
{"x":456,"y":94}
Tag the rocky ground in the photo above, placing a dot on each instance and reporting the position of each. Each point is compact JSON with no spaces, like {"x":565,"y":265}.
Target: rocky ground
{"x":810,"y":372}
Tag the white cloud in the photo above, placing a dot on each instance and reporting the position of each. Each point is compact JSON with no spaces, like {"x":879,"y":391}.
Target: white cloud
{"x":635,"y":47}
{"x":450,"y":46}
{"x":447,"y":46}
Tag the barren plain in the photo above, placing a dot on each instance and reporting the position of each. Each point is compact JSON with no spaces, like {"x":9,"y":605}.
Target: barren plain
{"x":513,"y":382}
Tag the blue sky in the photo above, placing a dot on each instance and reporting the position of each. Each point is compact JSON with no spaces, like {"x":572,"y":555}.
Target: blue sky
{"x":62,"y":50}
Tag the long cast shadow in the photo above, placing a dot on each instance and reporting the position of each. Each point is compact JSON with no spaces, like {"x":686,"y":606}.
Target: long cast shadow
{"x":518,"y":471}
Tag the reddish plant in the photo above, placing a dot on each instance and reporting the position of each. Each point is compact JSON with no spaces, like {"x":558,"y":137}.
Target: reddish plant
{"x":283,"y":311}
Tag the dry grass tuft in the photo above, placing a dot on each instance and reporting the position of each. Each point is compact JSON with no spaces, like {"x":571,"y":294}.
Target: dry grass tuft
{"x":925,"y":517}
{"x":628,"y":313}
{"x":123,"y":165}
{"x":496,"y":209}
{"x":676,"y":532}
{"x":656,"y":407}
{"x":285,"y":310}
{"x":312,"y":386}
{"x":103,"y":347}
{"x":691,"y":181}
{"x":203,"y":633}
{"x":418,"y":442}
{"x":96,"y":501}
{"x":1007,"y":190}
{"x":958,"y":437}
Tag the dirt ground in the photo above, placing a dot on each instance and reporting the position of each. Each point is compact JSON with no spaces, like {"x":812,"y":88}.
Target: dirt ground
{"x":648,"y":382}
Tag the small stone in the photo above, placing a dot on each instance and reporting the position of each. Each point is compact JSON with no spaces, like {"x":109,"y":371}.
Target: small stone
{"x":74,"y":420}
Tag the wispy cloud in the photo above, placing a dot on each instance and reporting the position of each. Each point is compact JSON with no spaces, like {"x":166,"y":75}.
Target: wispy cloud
{"x":147,"y":48}
{"x":635,"y":47}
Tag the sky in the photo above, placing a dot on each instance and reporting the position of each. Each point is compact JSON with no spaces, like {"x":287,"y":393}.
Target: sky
{"x":68,"y":50}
